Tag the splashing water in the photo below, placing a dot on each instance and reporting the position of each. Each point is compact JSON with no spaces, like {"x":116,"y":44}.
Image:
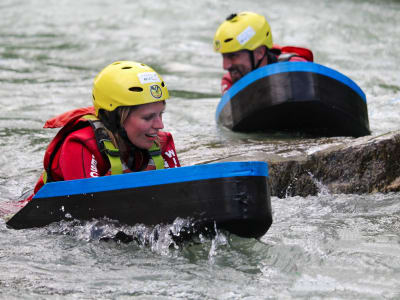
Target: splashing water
{"x":322,"y":189}
{"x":161,"y":239}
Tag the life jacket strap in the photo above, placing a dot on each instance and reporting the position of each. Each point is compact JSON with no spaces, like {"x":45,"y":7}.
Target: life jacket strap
{"x":44,"y":177}
{"x":155,"y":153}
{"x":113,"y":156}
{"x":105,"y":144}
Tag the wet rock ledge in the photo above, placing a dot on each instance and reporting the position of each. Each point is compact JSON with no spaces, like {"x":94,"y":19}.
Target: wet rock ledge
{"x":365,"y":165}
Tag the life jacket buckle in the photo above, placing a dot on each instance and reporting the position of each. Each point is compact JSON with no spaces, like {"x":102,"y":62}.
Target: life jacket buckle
{"x":155,"y":152}
{"x":112,"y":152}
{"x":108,"y":147}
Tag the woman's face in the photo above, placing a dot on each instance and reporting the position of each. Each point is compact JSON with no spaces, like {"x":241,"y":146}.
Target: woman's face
{"x":143,"y":124}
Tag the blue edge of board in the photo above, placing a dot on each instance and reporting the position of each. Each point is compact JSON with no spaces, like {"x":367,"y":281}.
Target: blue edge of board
{"x":151,"y":178}
{"x":283,"y":68}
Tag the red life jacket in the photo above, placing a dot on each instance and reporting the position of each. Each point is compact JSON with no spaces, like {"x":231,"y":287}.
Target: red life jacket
{"x":74,"y":152}
{"x":292,"y":53}
{"x":286,"y":53}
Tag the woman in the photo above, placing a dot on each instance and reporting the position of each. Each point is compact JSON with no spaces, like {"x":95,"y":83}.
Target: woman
{"x":121,"y":133}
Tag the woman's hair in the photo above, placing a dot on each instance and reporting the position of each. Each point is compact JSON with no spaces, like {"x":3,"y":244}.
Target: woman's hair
{"x":114,"y":126}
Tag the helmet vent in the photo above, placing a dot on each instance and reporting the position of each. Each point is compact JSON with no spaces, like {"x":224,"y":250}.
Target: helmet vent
{"x":162,"y":84}
{"x":136,"y":89}
{"x":230,"y":17}
{"x":228,"y":40}
{"x":126,"y":68}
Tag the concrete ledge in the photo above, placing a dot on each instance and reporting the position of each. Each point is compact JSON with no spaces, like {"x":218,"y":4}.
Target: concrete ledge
{"x":364,"y":165}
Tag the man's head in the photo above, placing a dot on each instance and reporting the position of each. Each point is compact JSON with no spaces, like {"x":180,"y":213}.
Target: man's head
{"x":243,"y":40}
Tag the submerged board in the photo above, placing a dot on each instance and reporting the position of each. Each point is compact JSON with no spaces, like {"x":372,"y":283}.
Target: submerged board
{"x":234,"y":195}
{"x":295,"y":96}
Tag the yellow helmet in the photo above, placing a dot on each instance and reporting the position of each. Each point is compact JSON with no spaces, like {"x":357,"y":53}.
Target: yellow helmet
{"x":127,"y":83}
{"x":246,"y":30}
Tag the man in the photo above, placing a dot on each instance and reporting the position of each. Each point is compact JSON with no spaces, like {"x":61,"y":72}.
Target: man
{"x":245,"y":42}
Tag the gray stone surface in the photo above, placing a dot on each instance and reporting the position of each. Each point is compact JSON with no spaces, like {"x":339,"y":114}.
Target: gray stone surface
{"x":364,"y":165}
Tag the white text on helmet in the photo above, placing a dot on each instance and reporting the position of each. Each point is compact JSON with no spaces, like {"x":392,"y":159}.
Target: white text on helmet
{"x":245,"y":35}
{"x":148,"y":77}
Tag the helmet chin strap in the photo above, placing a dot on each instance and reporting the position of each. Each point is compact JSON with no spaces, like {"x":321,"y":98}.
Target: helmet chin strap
{"x":252,"y":60}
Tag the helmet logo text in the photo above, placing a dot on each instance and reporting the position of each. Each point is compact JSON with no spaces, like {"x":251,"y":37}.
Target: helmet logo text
{"x":155,"y":91}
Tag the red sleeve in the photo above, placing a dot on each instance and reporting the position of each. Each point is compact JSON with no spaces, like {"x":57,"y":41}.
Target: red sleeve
{"x":168,"y":151}
{"x":76,"y":161}
{"x":77,"y":158}
{"x":226,"y":83}
{"x":80,"y":157}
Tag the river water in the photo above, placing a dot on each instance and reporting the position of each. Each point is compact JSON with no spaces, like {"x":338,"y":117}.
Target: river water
{"x":320,"y":247}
